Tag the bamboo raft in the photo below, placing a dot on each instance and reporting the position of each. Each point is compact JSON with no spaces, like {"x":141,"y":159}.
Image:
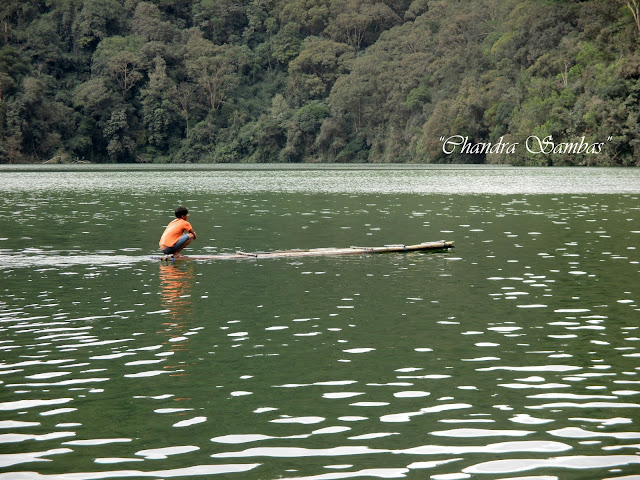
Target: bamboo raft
{"x":353,"y":250}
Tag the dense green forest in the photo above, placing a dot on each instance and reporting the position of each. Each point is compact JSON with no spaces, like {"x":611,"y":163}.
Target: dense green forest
{"x":321,"y":81}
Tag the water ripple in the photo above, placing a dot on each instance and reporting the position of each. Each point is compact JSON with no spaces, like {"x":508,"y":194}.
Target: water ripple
{"x":575,"y":462}
{"x":192,"y":471}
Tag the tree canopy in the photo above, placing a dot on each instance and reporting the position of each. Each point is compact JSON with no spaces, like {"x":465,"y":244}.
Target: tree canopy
{"x":321,"y":81}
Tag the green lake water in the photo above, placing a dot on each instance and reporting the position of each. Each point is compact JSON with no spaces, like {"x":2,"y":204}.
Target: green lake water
{"x":514,"y":355}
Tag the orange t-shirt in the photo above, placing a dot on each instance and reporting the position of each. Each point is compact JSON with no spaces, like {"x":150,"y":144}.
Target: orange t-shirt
{"x":173,"y":232}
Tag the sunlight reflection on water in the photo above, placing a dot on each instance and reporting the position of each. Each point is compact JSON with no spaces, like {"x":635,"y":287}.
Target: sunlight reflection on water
{"x":322,"y":178}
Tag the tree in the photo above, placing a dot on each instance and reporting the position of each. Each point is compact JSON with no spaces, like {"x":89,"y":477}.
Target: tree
{"x":121,"y":148}
{"x":302,"y":130}
{"x":11,"y":147}
{"x":262,"y":25}
{"x":212,"y":67}
{"x":44,"y":46}
{"x":376,"y":94}
{"x":351,"y":94}
{"x":315,"y":70}
{"x":149,"y":25}
{"x":285,"y":44}
{"x":634,"y":7}
{"x":94,"y":101}
{"x":98,"y":20}
{"x":184,"y":96}
{"x":220,"y":20}
{"x":6,"y":83}
{"x":359,"y":22}
{"x":158,"y":110}
{"x":63,"y":14}
{"x":124,"y":68}
{"x":417,"y":8}
{"x":35,"y":125}
{"x":307,"y":17}
{"x":18,"y":15}
{"x":119,"y":59}
{"x":13,"y":67}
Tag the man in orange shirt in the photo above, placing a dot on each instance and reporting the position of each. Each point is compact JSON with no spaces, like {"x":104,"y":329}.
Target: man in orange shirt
{"x":178,"y":234}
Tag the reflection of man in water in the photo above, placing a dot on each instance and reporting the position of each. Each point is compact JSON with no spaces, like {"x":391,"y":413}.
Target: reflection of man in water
{"x":176,"y":282}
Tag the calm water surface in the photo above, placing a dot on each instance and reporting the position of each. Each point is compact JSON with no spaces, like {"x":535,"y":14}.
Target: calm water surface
{"x":514,"y":355}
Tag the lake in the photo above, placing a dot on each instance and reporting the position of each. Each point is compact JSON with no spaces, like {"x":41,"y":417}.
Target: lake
{"x":514,"y":355}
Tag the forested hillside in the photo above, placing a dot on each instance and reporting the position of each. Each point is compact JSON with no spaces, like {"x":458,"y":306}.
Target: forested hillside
{"x":320,"y":80}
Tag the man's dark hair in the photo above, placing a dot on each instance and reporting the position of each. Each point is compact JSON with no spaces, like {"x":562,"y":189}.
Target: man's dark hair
{"x":180,"y":211}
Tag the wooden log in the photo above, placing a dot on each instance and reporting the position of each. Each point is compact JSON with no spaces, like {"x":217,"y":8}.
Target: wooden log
{"x":353,"y":250}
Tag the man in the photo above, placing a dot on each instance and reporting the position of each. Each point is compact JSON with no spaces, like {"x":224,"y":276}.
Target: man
{"x":178,"y":234}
